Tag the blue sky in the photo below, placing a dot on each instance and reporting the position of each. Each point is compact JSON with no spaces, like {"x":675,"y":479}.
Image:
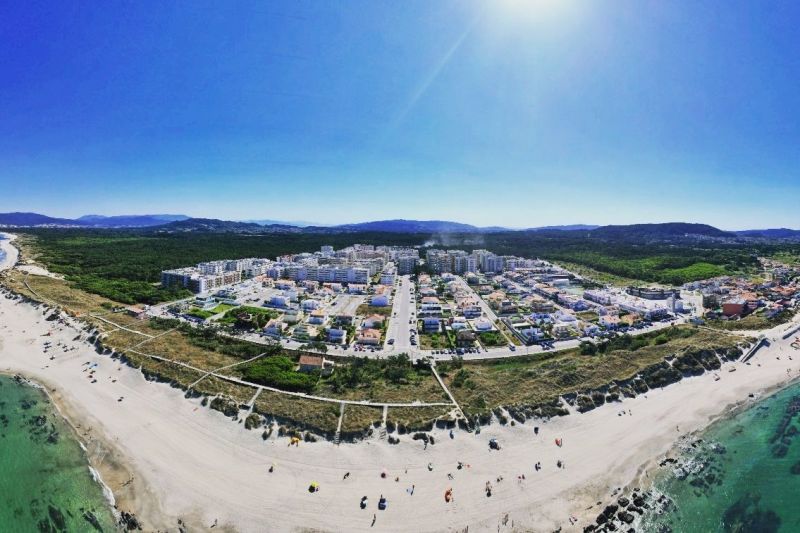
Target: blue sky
{"x":510,"y":112}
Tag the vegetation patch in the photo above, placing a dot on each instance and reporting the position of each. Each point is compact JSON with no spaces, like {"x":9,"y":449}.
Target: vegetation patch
{"x":247,"y":317}
{"x":367,"y":310}
{"x":753,"y":321}
{"x":492,"y":338}
{"x":279,"y":372}
{"x":316,"y":416}
{"x":540,"y":379}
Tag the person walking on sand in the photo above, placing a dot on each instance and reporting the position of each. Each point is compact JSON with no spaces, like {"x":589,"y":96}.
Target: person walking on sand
{"x":374,"y":517}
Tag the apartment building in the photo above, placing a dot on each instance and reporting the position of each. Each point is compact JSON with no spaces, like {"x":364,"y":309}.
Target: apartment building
{"x":406,"y":264}
{"x":438,"y":261}
{"x":196,"y":282}
{"x":463,"y":264}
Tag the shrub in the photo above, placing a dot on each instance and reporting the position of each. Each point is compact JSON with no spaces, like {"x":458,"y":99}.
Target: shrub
{"x":278,"y":371}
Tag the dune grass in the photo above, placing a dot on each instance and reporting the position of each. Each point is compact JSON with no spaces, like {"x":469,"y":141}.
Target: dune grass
{"x":543,"y":377}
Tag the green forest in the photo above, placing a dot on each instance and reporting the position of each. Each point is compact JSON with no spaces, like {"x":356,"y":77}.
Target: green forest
{"x":125,"y":265}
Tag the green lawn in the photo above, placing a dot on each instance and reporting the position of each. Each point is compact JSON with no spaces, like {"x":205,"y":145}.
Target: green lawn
{"x":221,"y":308}
{"x":200,"y":313}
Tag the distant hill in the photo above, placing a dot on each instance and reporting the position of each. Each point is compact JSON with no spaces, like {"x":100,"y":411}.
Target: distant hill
{"x":671,"y":231}
{"x":35,"y":219}
{"x":665,"y":231}
{"x":213,"y":225}
{"x":568,"y":227}
{"x":298,"y":223}
{"x":129,"y":221}
{"x":774,"y":233}
{"x":414,"y":226}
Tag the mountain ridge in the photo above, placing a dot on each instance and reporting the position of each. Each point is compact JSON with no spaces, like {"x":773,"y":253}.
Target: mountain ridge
{"x":184,"y":223}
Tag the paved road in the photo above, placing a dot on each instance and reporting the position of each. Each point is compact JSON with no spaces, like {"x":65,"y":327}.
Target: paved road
{"x":401,"y":314}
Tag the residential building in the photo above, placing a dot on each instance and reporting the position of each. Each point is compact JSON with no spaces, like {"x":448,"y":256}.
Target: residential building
{"x":431,"y":324}
{"x":369,"y":336}
{"x":310,"y":363}
{"x":337,"y":335}
{"x":406,"y":264}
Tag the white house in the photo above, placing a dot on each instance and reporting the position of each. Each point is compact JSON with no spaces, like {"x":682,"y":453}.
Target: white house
{"x":609,"y":321}
{"x":459,"y":323}
{"x":337,"y":335}
{"x":369,"y":336}
{"x":483,"y":324}
{"x":317,"y":317}
{"x":279,"y":300}
{"x":274,"y":328}
{"x":310,"y":304}
{"x":373,"y":321}
{"x":430,"y":323}
{"x":379,"y":300}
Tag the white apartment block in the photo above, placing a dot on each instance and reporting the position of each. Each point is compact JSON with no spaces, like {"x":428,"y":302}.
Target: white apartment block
{"x":406,"y":264}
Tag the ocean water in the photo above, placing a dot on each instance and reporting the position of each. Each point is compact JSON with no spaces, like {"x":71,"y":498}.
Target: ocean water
{"x":743,"y":475}
{"x":45,"y":482}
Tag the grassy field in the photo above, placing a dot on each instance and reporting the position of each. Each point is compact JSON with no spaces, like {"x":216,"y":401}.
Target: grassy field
{"x":367,"y":310}
{"x":358,"y":417}
{"x":420,"y":387}
{"x":58,"y":292}
{"x":539,"y":378}
{"x":322,"y":416}
{"x":433,"y":341}
{"x":202,"y":314}
{"x":753,"y":321}
{"x":492,"y":338}
{"x":603,"y":278}
{"x":416,"y":417}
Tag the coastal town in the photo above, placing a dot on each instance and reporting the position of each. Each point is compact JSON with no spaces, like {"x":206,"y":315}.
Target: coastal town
{"x":438,"y":267}
{"x":577,"y":443}
{"x":379,"y":300}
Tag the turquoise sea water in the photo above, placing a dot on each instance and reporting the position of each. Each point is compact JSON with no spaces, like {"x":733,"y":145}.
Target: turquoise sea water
{"x":45,"y":482}
{"x":743,"y":475}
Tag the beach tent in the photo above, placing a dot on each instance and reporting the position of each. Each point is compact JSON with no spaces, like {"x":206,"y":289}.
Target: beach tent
{"x":382,"y":504}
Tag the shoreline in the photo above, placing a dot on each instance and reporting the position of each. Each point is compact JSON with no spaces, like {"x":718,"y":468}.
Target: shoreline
{"x":109,"y":465}
{"x":190,"y":461}
{"x":11,"y":252}
{"x":651,"y":469}
{"x":59,"y":411}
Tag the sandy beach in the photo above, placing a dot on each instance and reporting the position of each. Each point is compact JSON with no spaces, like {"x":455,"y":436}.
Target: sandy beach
{"x":167,"y":458}
{"x":11,"y":254}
